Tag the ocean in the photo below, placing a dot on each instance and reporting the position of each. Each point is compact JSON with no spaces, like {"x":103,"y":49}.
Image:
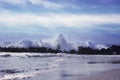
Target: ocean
{"x":47,"y":66}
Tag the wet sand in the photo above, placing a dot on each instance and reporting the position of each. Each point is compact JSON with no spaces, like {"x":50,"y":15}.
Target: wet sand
{"x":108,"y":75}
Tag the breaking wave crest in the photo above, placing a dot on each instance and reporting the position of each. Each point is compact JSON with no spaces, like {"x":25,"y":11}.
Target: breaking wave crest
{"x":29,"y":55}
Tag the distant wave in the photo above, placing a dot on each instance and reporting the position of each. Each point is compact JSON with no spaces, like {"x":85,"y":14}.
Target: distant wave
{"x":4,"y":54}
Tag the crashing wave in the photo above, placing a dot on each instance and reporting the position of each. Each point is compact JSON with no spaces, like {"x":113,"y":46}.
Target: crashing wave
{"x":61,"y":44}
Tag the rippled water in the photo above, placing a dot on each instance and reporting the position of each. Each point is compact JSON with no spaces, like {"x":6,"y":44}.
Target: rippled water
{"x":38,"y":66}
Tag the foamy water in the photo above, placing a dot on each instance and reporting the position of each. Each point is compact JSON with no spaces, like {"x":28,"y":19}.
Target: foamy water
{"x":38,"y":66}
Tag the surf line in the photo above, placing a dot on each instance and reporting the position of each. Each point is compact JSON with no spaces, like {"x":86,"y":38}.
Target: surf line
{"x":26,"y":74}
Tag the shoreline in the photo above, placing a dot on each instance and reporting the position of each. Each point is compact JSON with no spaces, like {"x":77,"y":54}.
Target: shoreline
{"x":107,"y":75}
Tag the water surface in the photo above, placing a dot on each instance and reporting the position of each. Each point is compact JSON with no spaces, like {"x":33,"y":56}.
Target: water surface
{"x":38,"y":66}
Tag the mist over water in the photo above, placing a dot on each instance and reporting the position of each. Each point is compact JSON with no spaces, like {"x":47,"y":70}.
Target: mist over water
{"x":38,"y":66}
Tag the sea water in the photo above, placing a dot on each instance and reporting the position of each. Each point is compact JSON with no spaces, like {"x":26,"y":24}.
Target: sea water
{"x":47,"y":66}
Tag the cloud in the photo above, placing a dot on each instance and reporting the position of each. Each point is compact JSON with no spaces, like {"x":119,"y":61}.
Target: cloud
{"x":57,"y":20}
{"x":13,"y":2}
{"x":77,"y":6}
{"x":46,"y":3}
{"x":40,"y":3}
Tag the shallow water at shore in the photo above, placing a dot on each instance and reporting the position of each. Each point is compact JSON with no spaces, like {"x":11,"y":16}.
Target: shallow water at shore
{"x":38,"y":66}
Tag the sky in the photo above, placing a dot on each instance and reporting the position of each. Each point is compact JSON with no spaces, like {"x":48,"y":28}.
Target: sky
{"x":79,"y":20}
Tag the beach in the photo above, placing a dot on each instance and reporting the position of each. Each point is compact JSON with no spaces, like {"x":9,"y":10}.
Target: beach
{"x":108,"y":75}
{"x":39,"y":66}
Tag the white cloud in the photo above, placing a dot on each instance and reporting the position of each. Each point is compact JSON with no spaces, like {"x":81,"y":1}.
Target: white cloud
{"x":13,"y":1}
{"x":46,"y":3}
{"x":57,"y":20}
{"x":43,"y":3}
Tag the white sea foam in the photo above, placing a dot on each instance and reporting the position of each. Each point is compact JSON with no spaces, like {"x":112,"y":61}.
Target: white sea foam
{"x":35,"y":67}
{"x":32,"y":73}
{"x":18,"y":76}
{"x":4,"y":54}
{"x":55,"y":63}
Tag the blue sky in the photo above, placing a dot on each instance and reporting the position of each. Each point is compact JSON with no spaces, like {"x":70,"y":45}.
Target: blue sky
{"x":97,"y":20}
